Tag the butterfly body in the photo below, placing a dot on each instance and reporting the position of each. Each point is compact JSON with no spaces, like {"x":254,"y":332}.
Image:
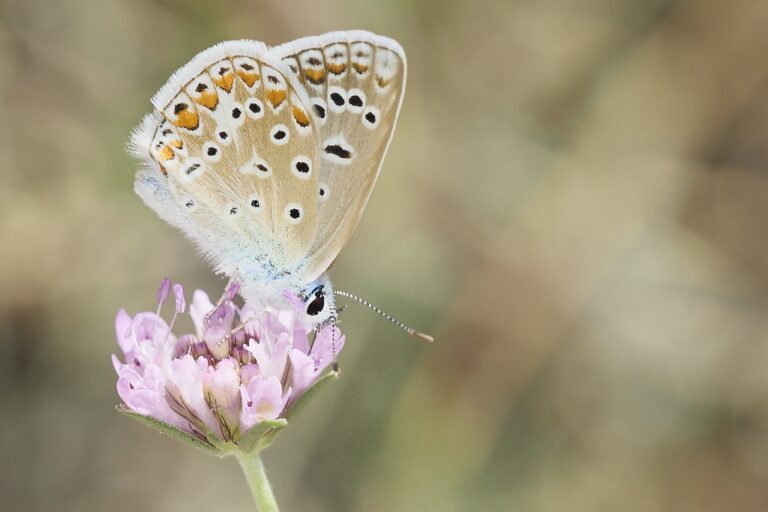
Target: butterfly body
{"x":266,"y":157}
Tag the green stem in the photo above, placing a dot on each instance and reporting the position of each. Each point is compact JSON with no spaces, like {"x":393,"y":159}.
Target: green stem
{"x":254,"y":472}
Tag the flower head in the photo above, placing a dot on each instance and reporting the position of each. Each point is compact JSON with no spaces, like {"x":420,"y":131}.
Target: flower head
{"x":240,"y":367}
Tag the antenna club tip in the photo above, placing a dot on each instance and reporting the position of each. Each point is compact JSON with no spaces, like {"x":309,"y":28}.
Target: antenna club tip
{"x":423,"y":337}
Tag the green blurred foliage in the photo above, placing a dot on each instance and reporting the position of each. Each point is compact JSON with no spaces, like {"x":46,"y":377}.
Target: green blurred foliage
{"x":573,"y":205}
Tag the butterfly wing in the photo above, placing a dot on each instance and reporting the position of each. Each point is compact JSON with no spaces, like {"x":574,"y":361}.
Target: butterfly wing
{"x":355,"y":82}
{"x":231,"y":157}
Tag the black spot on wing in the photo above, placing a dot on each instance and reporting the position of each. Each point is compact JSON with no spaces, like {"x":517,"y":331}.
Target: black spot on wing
{"x":336,"y":149}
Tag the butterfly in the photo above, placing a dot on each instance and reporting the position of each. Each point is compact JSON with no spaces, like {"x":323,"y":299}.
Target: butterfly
{"x":266,"y":157}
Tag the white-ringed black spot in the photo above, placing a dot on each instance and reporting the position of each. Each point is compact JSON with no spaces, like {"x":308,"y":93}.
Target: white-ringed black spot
{"x":370,"y":117}
{"x":356,"y":100}
{"x":211,"y":152}
{"x":324,"y":192}
{"x":223,"y":135}
{"x":263,"y":168}
{"x":279,"y":134}
{"x":319,"y":111}
{"x":293,"y":213}
{"x":337,"y":99}
{"x":255,"y":203}
{"x":301,"y":166}
{"x":236,"y":113}
{"x":192,"y":168}
{"x":254,"y":108}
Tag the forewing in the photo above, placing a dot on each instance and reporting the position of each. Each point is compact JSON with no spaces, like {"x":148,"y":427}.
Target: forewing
{"x":232,"y":159}
{"x":355,"y":82}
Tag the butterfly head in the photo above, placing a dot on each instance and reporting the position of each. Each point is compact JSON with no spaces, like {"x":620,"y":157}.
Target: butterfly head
{"x":319,"y":306}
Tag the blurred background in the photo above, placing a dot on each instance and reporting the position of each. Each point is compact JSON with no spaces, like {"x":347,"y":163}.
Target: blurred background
{"x":573,"y":204}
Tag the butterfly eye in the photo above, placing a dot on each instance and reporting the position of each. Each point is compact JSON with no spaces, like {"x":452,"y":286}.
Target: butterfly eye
{"x":316,"y":305}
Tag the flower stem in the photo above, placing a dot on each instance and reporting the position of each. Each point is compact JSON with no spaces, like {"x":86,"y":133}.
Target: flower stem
{"x":254,"y":472}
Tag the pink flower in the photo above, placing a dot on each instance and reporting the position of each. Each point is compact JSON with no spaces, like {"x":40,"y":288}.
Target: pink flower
{"x":309,"y":364}
{"x":263,"y":399}
{"x":240,"y":367}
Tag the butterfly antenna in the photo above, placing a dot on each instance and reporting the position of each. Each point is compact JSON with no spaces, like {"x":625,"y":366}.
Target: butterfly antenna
{"x":413,"y":332}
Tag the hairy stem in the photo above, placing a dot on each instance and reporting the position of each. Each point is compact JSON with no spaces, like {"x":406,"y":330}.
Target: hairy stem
{"x":256,"y":476}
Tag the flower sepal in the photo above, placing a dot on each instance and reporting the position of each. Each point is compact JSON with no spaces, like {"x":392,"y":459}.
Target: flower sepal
{"x":253,"y":439}
{"x":251,"y":442}
{"x":172,"y":431}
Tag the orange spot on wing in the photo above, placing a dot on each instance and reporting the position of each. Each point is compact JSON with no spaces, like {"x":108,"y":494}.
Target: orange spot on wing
{"x":336,"y":69}
{"x":208,"y":99}
{"x":276,"y":96}
{"x":187,"y":119}
{"x":225,"y":81}
{"x":248,"y":78}
{"x":315,"y":76}
{"x":165,"y":154}
{"x":360,"y":68}
{"x":381,"y":81}
{"x":177,"y":143}
{"x":300,"y":116}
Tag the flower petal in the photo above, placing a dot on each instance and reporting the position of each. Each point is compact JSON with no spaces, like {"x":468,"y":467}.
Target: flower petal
{"x":200,"y":307}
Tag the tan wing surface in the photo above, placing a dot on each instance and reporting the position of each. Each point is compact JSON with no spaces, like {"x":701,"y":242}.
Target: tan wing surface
{"x":232,"y":144}
{"x":355,"y":82}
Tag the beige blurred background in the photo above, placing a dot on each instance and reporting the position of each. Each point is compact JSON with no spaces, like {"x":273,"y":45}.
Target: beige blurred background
{"x":574,"y":205}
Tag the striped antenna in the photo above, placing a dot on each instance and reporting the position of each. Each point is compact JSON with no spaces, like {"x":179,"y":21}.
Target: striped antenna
{"x":413,"y":332}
